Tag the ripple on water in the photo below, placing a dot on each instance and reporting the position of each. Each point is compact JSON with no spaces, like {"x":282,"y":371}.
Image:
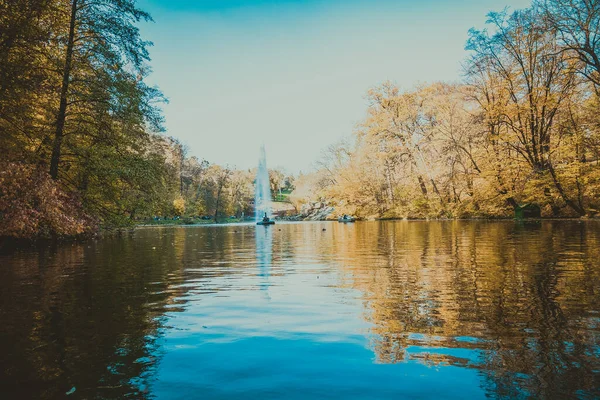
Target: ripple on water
{"x":406,"y":309}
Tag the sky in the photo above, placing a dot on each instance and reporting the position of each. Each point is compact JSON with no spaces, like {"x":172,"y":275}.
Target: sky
{"x":293,"y":75}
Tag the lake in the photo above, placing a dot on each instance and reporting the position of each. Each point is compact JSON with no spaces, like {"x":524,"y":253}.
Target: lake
{"x":370,"y":310}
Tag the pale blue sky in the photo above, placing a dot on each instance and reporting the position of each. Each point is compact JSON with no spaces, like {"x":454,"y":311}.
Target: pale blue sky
{"x":293,"y":74}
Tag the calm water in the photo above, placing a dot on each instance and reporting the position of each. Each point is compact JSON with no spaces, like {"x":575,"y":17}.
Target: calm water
{"x":440,"y":310}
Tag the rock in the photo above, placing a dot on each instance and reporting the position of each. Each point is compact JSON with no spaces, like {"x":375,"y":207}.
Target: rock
{"x":320,"y":214}
{"x":318,"y":211}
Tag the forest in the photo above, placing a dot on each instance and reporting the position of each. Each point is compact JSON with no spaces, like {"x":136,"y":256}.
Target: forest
{"x":81,"y":133}
{"x":522,"y":128}
{"x":84,"y":146}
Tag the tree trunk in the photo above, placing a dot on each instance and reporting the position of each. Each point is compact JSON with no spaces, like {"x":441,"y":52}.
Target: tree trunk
{"x":217,"y":205}
{"x":435,"y":189}
{"x":422,"y":185}
{"x":577,"y":208}
{"x":390,"y":187}
{"x":62,"y":111}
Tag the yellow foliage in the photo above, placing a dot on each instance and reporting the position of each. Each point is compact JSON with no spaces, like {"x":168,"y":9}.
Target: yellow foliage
{"x":179,"y":206}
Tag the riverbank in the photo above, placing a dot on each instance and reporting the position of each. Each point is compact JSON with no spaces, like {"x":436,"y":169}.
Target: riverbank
{"x":327,"y":211}
{"x":192,"y":221}
{"x":10,"y":242}
{"x":358,"y":219}
{"x":115,"y":230}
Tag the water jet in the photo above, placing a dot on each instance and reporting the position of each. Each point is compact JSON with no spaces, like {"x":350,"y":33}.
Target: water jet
{"x":262,"y":192}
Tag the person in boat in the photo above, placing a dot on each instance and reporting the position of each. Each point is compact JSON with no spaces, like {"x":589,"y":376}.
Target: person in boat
{"x":345,"y":216}
{"x":265,"y":218}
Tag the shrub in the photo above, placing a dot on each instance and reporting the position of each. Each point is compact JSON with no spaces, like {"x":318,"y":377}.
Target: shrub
{"x":32,"y":205}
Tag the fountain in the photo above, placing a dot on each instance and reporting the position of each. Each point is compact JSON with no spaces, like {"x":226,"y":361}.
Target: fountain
{"x":262,"y":192}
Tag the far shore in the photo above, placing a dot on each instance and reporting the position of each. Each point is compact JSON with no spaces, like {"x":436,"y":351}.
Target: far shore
{"x":7,"y":243}
{"x":251,"y":221}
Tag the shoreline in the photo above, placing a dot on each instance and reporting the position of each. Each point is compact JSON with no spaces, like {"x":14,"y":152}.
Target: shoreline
{"x":119,"y":231}
{"x":486,"y":219}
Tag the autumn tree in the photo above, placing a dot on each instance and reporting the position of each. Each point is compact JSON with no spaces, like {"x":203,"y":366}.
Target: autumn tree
{"x":221,"y":178}
{"x":577,"y":25}
{"x":73,"y":102}
{"x":532,"y":81}
{"x":102,"y":71}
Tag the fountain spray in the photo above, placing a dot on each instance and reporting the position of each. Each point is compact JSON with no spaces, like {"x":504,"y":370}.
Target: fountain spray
{"x":262,"y":188}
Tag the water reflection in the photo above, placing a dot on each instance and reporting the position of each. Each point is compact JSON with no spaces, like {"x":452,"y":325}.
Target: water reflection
{"x":519,"y":302}
{"x":381,"y":310}
{"x":83,"y":316}
{"x":264,"y":254}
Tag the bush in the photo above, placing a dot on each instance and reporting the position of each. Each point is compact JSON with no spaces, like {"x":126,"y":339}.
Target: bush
{"x":179,"y":206}
{"x":32,"y":205}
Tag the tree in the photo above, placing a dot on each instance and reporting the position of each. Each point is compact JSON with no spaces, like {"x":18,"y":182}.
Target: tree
{"x":221,"y":177}
{"x":523,"y":128}
{"x":402,"y":125}
{"x":577,"y":23}
{"x":27,"y":43}
{"x":73,"y":102}
{"x":241,"y":192}
{"x":102,"y":72}
{"x":534,"y":81}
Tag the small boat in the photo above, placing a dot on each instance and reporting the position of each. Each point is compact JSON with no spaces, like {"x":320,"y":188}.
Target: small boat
{"x":266,"y":221}
{"x":346,"y":218}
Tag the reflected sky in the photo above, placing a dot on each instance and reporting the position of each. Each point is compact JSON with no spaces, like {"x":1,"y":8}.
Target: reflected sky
{"x":308,"y":310}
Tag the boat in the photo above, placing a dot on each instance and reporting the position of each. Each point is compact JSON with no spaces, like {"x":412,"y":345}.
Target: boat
{"x":266,"y":221}
{"x":346,"y":218}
